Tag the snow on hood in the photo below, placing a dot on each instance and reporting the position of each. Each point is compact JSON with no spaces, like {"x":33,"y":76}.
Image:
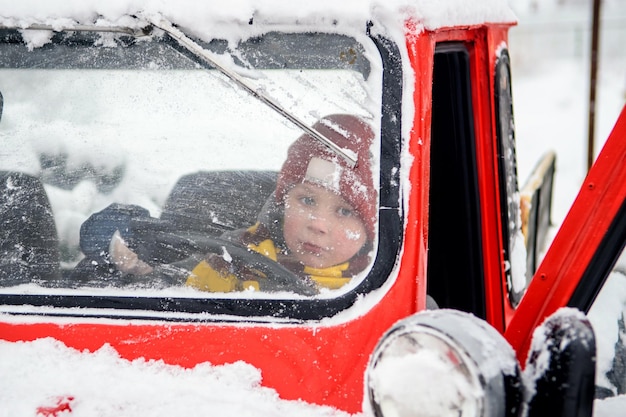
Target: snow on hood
{"x":84,"y":384}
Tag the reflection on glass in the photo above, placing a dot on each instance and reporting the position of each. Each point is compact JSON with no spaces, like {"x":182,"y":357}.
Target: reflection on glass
{"x":147,"y":165}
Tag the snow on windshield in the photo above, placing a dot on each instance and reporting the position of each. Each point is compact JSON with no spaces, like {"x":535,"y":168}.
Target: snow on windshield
{"x":107,"y":133}
{"x":129,"y":182}
{"x":79,"y":113}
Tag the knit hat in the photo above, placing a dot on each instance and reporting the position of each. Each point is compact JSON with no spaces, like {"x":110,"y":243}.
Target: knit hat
{"x":308,"y":160}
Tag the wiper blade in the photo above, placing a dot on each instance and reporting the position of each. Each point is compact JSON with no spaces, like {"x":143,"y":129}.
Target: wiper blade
{"x":135,"y":32}
{"x":211,"y":59}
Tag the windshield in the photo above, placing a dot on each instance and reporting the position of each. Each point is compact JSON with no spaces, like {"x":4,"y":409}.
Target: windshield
{"x":130,"y":165}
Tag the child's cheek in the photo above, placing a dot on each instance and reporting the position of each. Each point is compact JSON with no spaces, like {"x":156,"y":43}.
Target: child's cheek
{"x":353,"y":235}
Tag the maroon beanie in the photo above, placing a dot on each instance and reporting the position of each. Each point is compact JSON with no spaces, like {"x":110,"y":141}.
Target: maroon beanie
{"x":308,"y":160}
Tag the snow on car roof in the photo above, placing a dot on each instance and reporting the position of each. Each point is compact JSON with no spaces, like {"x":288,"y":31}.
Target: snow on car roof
{"x":201,"y":16}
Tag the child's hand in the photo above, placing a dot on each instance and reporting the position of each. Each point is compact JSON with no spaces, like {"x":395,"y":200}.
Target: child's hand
{"x":124,"y":259}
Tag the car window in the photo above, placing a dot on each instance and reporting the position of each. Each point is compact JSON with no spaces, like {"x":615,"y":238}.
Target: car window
{"x":515,"y":251}
{"x":454,"y":203}
{"x":116,"y":147}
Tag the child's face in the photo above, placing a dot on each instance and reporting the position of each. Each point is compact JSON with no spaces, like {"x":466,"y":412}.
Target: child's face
{"x":321,"y":229}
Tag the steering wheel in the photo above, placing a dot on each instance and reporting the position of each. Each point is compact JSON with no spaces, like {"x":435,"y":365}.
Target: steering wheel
{"x":157,"y":242}
{"x":278,"y":277}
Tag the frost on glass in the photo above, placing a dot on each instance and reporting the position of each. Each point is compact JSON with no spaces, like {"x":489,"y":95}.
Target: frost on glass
{"x":144,"y":125}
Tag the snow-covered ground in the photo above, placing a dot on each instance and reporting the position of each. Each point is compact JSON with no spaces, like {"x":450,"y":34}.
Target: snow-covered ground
{"x":550,"y":93}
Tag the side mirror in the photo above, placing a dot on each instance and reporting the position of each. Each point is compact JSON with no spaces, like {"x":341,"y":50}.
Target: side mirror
{"x":561,"y":364}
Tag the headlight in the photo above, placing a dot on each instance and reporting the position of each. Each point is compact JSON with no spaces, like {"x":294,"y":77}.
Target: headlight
{"x":443,"y":363}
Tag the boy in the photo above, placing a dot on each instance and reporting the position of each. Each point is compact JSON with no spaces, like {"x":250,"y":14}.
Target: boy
{"x":319,"y":222}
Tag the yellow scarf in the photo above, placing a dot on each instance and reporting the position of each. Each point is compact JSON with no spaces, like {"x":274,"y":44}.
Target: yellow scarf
{"x":205,"y":278}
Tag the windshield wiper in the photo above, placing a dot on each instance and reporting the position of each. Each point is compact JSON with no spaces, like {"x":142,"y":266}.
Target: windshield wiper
{"x":135,"y":32}
{"x":211,"y":59}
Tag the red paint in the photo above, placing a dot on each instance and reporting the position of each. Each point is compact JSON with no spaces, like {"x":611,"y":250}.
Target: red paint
{"x":323,"y":365}
{"x":63,"y":405}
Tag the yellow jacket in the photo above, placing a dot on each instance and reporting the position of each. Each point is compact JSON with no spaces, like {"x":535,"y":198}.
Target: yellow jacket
{"x":207,"y":276}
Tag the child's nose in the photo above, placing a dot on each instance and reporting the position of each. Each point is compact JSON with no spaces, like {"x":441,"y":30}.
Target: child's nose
{"x":318,"y":223}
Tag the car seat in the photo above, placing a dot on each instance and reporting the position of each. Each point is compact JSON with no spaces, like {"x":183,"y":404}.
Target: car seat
{"x":29,"y":244}
{"x":213,"y":202}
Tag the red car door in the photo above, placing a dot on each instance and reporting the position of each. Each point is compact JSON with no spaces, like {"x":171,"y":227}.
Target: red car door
{"x":584,"y":266}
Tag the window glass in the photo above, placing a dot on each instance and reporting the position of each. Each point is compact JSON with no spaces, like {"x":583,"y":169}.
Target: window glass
{"x":133,"y":166}
{"x":515,"y":249}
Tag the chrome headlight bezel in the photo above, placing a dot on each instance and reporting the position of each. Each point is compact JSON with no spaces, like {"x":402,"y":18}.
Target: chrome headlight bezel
{"x":445,"y":361}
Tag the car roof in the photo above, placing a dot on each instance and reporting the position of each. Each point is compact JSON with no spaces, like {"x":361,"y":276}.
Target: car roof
{"x":205,"y":17}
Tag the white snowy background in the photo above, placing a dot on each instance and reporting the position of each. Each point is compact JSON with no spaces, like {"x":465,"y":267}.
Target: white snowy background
{"x":549,"y":50}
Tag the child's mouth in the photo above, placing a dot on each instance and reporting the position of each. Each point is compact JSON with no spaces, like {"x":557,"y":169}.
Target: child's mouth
{"x":311,"y":248}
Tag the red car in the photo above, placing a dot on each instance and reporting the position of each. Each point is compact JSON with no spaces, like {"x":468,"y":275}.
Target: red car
{"x":183,"y":133}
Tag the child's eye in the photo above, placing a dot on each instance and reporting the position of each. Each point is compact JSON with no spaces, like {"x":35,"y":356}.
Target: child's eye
{"x":345,"y":212}
{"x":307,"y":201}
